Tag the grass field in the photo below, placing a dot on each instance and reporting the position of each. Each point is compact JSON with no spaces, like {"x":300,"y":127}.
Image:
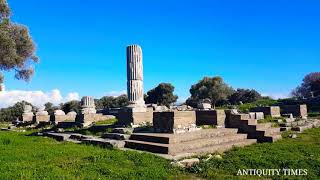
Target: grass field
{"x":29,"y":157}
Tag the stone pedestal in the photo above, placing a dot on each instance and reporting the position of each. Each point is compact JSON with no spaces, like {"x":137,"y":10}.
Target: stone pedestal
{"x":27,"y":117}
{"x":42,"y":118}
{"x":295,"y":110}
{"x":88,"y":119}
{"x":63,"y":118}
{"x":136,"y":118}
{"x":211,"y":117}
{"x":273,"y":111}
{"x":168,"y":122}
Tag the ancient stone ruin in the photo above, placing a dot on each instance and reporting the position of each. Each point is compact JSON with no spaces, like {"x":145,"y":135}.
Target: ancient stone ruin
{"x":177,"y":131}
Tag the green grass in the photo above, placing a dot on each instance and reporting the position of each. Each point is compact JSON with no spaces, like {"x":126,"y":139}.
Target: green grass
{"x":314,"y":114}
{"x":106,"y":122}
{"x":300,"y":153}
{"x":261,"y":102}
{"x":29,"y":157}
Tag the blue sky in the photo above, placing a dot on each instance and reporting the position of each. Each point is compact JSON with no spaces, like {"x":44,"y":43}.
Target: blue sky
{"x":268,"y":45}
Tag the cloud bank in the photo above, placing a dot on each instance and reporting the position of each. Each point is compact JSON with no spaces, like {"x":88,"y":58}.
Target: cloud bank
{"x":37,"y":98}
{"x":280,"y":95}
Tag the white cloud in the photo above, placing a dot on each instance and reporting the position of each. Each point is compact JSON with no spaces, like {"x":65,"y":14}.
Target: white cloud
{"x":37,"y":98}
{"x":277,"y":95}
{"x":116,"y":93}
{"x":72,"y":96}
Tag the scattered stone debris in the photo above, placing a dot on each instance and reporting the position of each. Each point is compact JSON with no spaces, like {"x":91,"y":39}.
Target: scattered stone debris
{"x":190,"y":162}
{"x":217,"y":156}
{"x":293,"y":136}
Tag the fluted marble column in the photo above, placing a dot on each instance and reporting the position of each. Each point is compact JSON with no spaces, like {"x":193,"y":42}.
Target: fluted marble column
{"x":135,"y":78}
{"x":87,"y":105}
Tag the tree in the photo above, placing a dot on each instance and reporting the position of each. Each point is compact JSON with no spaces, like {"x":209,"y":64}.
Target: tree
{"x":112,"y":102}
{"x":245,"y":96}
{"x":162,"y":95}
{"x":50,"y":108}
{"x":13,"y":112}
{"x":310,"y":86}
{"x":71,"y":106}
{"x":212,"y":88}
{"x":17,"y":49}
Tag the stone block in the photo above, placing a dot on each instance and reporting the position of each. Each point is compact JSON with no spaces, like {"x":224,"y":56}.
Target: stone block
{"x":136,"y":118}
{"x":273,"y":111}
{"x":259,"y":115}
{"x":27,"y":118}
{"x":211,"y":117}
{"x":295,"y":110}
{"x":88,"y":119}
{"x":62,"y":118}
{"x":168,"y":121}
{"x":43,"y":118}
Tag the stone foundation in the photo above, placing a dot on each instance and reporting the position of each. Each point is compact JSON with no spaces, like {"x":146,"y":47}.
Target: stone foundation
{"x":273,"y":111}
{"x":27,"y":118}
{"x":211,"y":117}
{"x":128,"y":117}
{"x":62,"y":118}
{"x":167,"y":122}
{"x":295,"y":110}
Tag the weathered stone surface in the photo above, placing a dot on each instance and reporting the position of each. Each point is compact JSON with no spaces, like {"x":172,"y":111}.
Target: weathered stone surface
{"x":205,"y":106}
{"x":123,"y":130}
{"x":190,"y":162}
{"x":211,"y":117}
{"x":87,"y":105}
{"x":161,"y":108}
{"x":42,"y":118}
{"x":116,"y":136}
{"x":259,"y":115}
{"x":88,"y":119}
{"x":59,"y":113}
{"x":57,"y":136}
{"x":135,"y":79}
{"x":295,"y":110}
{"x":27,"y":118}
{"x":168,"y":121}
{"x":72,"y":113}
{"x":184,"y":108}
{"x":27,"y":111}
{"x":136,"y":118}
{"x":104,"y":142}
{"x":62,"y":118}
{"x":273,"y":111}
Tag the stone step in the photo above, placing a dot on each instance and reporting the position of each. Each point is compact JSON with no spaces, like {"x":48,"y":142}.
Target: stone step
{"x":270,"y":131}
{"x":147,"y":146}
{"x":222,"y":147}
{"x":57,"y":136}
{"x":123,"y":130}
{"x":249,"y":121}
{"x":168,"y":149}
{"x":116,"y":136}
{"x":183,"y":137}
{"x":201,"y":143}
{"x":263,"y":125}
{"x":261,"y":137}
{"x":104,"y":143}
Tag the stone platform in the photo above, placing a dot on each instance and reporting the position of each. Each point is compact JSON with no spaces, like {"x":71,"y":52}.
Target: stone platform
{"x":190,"y":143}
